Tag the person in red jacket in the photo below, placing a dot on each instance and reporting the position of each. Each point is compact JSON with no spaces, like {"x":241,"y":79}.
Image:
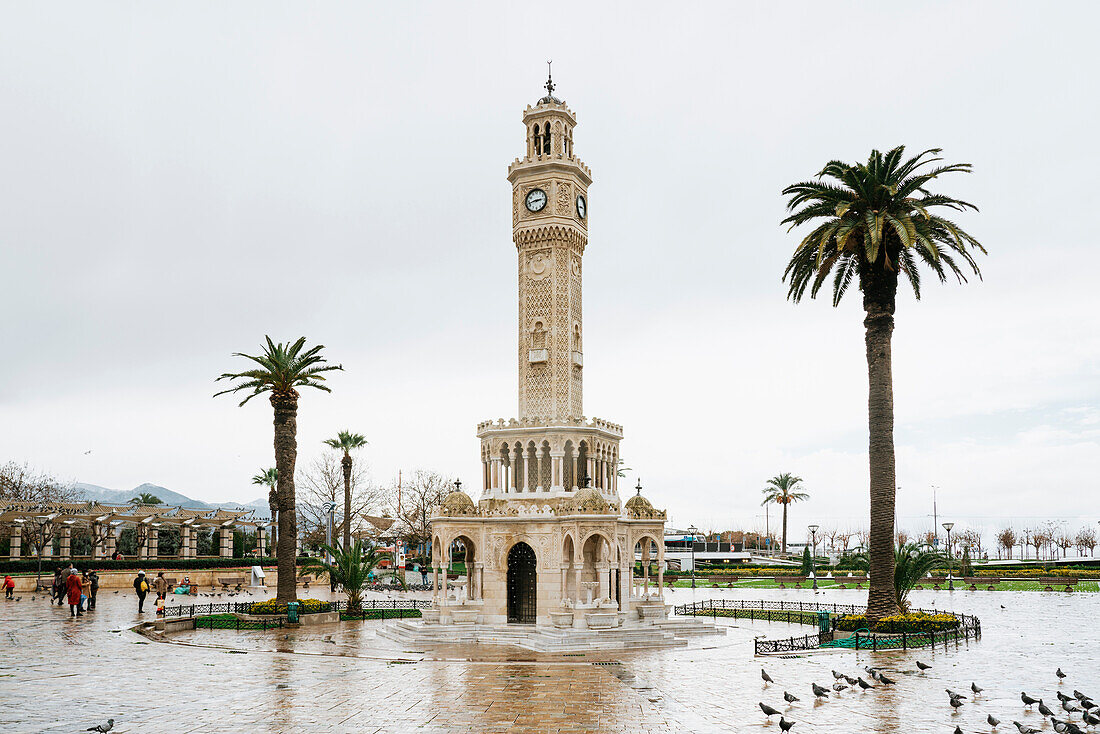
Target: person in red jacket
{"x":72,"y":585}
{"x":9,"y":586}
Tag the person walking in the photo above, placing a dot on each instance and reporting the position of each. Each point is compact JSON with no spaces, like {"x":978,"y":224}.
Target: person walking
{"x":9,"y":587}
{"x":161,"y":585}
{"x":93,"y":588}
{"x":142,"y":588}
{"x":57,"y":591}
{"x":72,"y":585}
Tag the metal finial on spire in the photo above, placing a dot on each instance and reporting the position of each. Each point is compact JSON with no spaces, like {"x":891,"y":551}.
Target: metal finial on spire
{"x":549,"y":77}
{"x":639,"y":488}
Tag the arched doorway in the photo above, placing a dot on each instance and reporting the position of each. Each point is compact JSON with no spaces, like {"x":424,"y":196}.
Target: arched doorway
{"x":522,"y":604}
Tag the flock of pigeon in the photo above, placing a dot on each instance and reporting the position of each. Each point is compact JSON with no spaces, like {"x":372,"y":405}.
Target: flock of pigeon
{"x":1078,"y":703}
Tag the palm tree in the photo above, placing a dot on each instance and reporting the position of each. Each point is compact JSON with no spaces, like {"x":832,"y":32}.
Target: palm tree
{"x":270,"y":478}
{"x":912,"y":562}
{"x":346,"y":441}
{"x":783,"y":490}
{"x":351,"y":567}
{"x":877,"y":223}
{"x":282,"y":369}
{"x":145,"y":498}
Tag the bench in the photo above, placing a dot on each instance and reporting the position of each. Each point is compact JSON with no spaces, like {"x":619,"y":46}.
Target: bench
{"x":728,"y":580}
{"x":1049,"y":582}
{"x":796,"y":580}
{"x":973,"y":582}
{"x":235,"y":581}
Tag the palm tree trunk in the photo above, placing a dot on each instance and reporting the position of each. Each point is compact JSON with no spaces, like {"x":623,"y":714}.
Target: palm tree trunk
{"x":273,"y":506}
{"x":346,"y":464}
{"x":286,"y":454}
{"x":879,"y":291}
{"x":785,"y":528}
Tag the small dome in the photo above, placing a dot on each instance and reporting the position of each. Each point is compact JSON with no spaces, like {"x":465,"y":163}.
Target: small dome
{"x":458,"y":503}
{"x":638,"y":505}
{"x":589,"y":501}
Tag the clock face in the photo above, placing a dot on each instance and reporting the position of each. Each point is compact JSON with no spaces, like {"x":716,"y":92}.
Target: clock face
{"x":536,"y":200}
{"x":582,"y":206}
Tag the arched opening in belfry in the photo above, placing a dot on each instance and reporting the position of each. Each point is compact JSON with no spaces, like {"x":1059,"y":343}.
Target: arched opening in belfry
{"x":506,"y":468}
{"x":522,"y":585}
{"x":582,"y":464}
{"x":538,"y":140}
{"x":569,"y":468}
{"x":532,"y":463}
{"x":545,"y":467}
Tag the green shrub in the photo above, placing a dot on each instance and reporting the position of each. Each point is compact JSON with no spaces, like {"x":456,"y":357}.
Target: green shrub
{"x":900,"y":623}
{"x":305,"y":606}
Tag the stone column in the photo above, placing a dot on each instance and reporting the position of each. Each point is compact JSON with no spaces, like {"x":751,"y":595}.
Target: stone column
{"x":521,"y":471}
{"x":47,"y":550}
{"x":602,"y":571}
{"x":194,"y":553}
{"x":97,"y":546}
{"x":226,"y":542}
{"x":645,"y":566}
{"x":16,"y":539}
{"x":557,"y":469}
{"x":65,"y":534}
{"x":152,"y":541}
{"x":494,"y":473}
{"x":577,"y":478}
{"x":590,"y":469}
{"x":110,"y":541}
{"x":185,"y":541}
{"x":660,"y":573}
{"x":261,"y":545}
{"x":565,"y":580}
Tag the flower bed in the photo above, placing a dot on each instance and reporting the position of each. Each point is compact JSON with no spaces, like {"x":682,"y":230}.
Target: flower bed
{"x":305,"y":606}
{"x":899,"y":623}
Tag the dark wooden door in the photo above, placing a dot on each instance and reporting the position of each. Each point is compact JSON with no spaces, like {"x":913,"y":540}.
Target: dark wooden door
{"x":522,"y":586}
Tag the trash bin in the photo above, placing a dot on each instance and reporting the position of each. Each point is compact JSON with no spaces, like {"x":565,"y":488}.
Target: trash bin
{"x":292,"y":612}
{"x":822,"y":620}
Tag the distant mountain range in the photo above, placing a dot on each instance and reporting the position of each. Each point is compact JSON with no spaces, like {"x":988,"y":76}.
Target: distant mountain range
{"x":92,"y":492}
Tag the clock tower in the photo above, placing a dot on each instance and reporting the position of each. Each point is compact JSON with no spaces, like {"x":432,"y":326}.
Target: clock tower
{"x":550,"y":229}
{"x":550,"y":447}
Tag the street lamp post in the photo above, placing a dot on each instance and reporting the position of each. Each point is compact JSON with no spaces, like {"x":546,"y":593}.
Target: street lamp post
{"x":40,"y":521}
{"x":694,"y":531}
{"x":950,"y":581}
{"x":813,"y":555}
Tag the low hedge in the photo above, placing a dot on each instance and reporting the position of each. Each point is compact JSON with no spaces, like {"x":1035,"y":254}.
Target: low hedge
{"x":380,"y":614}
{"x":899,"y":623}
{"x":105,"y":564}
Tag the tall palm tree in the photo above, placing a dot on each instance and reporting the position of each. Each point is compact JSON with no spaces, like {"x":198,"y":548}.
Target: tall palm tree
{"x":874,"y":222}
{"x":912,"y":562}
{"x":146,"y":498}
{"x":270,"y":478}
{"x":347,"y":442}
{"x":282,"y":369}
{"x":783,"y":490}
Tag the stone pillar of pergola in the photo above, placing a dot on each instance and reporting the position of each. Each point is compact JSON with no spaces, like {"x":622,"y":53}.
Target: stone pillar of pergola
{"x":109,"y":543}
{"x":98,"y":545}
{"x":15,"y":550}
{"x":47,"y":550}
{"x":226,"y":541}
{"x":261,"y":541}
{"x":65,"y":537}
{"x":152,"y":542}
{"x":185,"y":541}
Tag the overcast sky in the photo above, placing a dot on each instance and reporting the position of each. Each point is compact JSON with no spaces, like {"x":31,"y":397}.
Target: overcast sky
{"x":178,"y":180}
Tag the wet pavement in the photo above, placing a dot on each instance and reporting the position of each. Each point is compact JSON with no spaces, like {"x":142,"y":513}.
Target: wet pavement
{"x":343,"y":678}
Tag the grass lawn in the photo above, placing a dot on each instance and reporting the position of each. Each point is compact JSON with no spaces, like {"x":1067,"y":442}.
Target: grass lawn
{"x":1011,"y":585}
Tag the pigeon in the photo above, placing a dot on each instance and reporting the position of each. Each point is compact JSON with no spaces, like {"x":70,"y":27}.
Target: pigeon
{"x":837,"y":675}
{"x":838,"y":687}
{"x":850,"y":680}
{"x":1028,"y":700}
{"x":1060,"y":674}
{"x":819,"y":692}
{"x":952,"y":694}
{"x":884,"y":680}
{"x":863,"y":684}
{"x":1078,"y":695}
{"x":992,"y":721}
{"x":790,"y":697}
{"x":1061,"y":696}
{"x":1044,"y":709}
{"x":1024,"y":729}
{"x":1070,"y":707}
{"x":1091,"y":719}
{"x":102,"y":727}
{"x":976,"y":688}
{"x":768,"y":710}
{"x":784,"y":724}
{"x":958,"y":730}
{"x":956,"y":703}
{"x":923,"y":666}
{"x":1059,"y":726}
{"x":767,"y":678}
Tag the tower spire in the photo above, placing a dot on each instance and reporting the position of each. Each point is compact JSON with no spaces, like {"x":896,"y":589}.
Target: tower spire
{"x":549,"y":78}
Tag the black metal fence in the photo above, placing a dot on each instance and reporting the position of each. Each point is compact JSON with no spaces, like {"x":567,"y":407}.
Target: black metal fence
{"x":798,"y":612}
{"x":246,"y":607}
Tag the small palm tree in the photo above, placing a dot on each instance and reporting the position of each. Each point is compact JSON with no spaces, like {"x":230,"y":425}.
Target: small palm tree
{"x":351,"y":567}
{"x":347,"y":442}
{"x":874,"y":223}
{"x":145,"y":498}
{"x":282,"y":369}
{"x":912,"y":562}
{"x":270,"y":478}
{"x":783,"y":490}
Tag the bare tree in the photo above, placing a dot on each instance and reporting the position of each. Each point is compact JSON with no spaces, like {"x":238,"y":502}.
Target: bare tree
{"x":843,"y":538}
{"x":323,"y":482}
{"x":1038,"y":539}
{"x":863,"y":535}
{"x":22,"y":483}
{"x":1086,"y":538}
{"x":1007,"y":539}
{"x":1063,"y":541}
{"x":901,"y":538}
{"x":970,"y":538}
{"x":928,"y":538}
{"x":423,"y":491}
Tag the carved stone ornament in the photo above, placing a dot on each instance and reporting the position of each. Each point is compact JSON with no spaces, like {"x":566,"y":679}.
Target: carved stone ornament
{"x":565,"y":198}
{"x":540,"y":265}
{"x":577,"y":266}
